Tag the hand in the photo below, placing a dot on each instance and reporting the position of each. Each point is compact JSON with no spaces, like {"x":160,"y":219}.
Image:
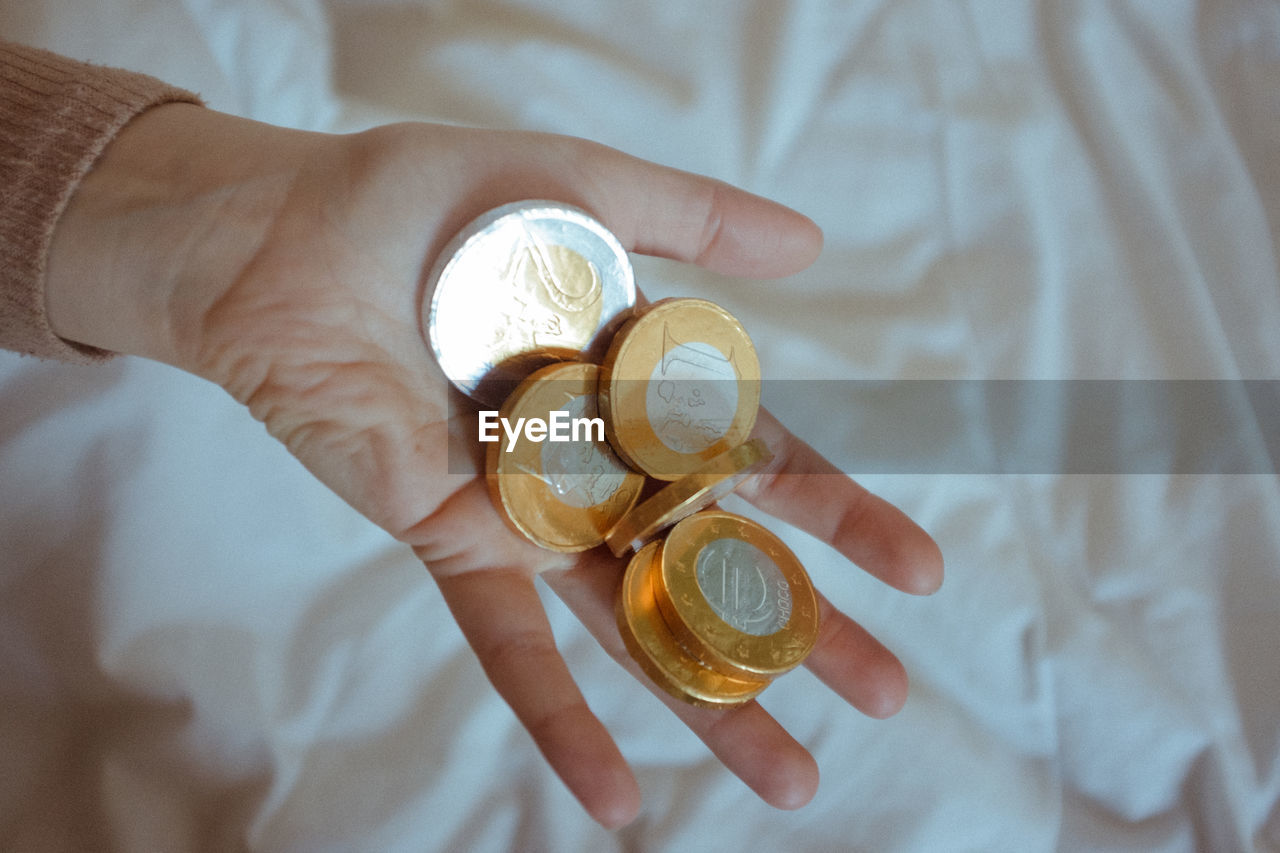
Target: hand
{"x":286,"y":267}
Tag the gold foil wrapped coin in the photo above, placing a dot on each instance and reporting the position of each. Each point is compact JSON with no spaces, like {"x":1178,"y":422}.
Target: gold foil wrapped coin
{"x":523,"y":285}
{"x":688,"y":495}
{"x":562,"y":495}
{"x":735,"y":597}
{"x":651,"y":644}
{"x":680,"y":385}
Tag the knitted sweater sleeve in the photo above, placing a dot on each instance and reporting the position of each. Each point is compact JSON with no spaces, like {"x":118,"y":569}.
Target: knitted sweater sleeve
{"x":56,"y":117}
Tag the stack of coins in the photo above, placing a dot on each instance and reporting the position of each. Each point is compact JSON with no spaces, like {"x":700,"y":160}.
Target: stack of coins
{"x":717,"y":610}
{"x":533,"y":294}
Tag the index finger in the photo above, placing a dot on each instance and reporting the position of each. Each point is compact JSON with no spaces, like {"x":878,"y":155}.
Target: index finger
{"x":803,"y":488}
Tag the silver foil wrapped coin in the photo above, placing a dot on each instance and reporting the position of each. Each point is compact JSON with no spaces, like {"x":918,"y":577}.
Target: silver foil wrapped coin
{"x":521,"y":286}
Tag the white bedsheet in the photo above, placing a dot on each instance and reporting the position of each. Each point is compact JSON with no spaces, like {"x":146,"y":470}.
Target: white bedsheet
{"x":201,"y":648}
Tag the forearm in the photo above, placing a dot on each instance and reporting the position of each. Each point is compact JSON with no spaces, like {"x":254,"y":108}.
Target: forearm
{"x":56,"y":116}
{"x":168,"y":218}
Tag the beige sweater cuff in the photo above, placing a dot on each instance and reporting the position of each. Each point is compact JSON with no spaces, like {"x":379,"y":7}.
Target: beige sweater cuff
{"x":56,"y":117}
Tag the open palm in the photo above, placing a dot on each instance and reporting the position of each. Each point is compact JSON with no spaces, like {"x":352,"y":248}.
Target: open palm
{"x":297,"y":288}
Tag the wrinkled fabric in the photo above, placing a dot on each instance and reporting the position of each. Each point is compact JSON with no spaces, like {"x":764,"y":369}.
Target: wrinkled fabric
{"x":203,"y":648}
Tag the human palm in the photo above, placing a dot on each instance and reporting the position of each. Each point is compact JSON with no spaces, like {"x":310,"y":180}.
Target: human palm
{"x":300,"y":293}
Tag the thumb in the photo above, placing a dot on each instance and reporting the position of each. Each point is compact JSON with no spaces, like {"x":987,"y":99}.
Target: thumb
{"x":666,"y":212}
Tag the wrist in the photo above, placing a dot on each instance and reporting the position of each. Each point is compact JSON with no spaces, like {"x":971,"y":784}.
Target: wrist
{"x":165,"y":222}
